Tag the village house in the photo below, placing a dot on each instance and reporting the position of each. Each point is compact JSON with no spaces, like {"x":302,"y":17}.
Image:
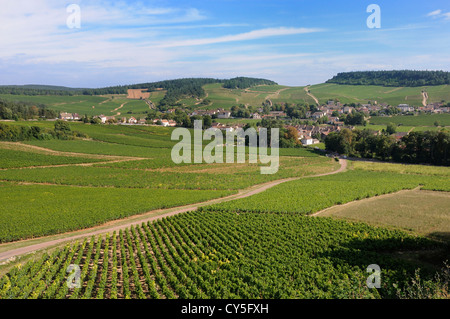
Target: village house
{"x":405,"y":108}
{"x":224,"y":115}
{"x":165,"y":122}
{"x":104,"y":118}
{"x":66,"y":116}
{"x":347,"y":109}
{"x":132,"y":120}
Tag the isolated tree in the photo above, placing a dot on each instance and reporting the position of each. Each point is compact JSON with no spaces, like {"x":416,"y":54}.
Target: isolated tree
{"x":391,"y":128}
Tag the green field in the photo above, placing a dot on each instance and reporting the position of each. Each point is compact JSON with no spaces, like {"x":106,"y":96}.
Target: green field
{"x":263,"y":256}
{"x":309,"y":195}
{"x":418,"y":211}
{"x":86,"y":104}
{"x":418,"y":120}
{"x":37,"y":210}
{"x":262,"y":246}
{"x":226,"y":98}
{"x":119,"y":161}
{"x":391,"y":95}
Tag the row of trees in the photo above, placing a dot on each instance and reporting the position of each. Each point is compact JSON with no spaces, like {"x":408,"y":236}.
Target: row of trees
{"x":427,"y":147}
{"x":24,"y":110}
{"x":409,"y":78}
{"x":61,"y":130}
{"x":38,"y":90}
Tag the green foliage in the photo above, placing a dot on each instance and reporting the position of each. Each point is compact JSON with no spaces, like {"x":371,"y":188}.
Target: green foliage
{"x":14,"y":133}
{"x":418,"y":120}
{"x":392,"y":78}
{"x":245,"y":83}
{"x":38,"y":210}
{"x":416,"y":147}
{"x":268,"y":256}
{"x":16,"y":159}
{"x":309,"y":195}
{"x":10,"y":110}
{"x":355,"y":118}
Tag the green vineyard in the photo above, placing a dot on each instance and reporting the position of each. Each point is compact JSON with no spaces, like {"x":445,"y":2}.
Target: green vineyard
{"x":222,"y":255}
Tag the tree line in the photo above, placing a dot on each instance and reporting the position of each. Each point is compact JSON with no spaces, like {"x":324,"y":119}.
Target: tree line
{"x":408,"y":78}
{"x":428,"y":147}
{"x":15,"y":133}
{"x":10,"y":110}
{"x":245,"y":83}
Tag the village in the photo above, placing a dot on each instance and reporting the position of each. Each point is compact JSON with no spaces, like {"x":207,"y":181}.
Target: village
{"x":312,"y":130}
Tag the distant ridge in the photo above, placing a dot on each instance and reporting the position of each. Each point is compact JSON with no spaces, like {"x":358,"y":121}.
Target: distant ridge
{"x":41,"y":87}
{"x":408,"y":78}
{"x":176,"y":87}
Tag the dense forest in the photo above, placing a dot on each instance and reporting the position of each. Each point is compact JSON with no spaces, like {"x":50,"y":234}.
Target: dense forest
{"x":427,"y":147}
{"x":24,"y":110}
{"x":408,"y":78}
{"x":245,"y":83}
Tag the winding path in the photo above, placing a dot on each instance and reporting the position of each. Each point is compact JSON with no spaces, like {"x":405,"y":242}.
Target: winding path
{"x":10,"y":251}
{"x":311,"y":96}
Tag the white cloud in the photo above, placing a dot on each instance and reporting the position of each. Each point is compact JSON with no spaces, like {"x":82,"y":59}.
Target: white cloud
{"x":439,"y":14}
{"x":434,"y":13}
{"x":252,"y":35}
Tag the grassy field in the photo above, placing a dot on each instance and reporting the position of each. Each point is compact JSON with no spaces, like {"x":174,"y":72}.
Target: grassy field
{"x":421,"y":212}
{"x":309,"y":195}
{"x":109,"y":105}
{"x":36,"y":210}
{"x":418,"y":120}
{"x":391,"y":95}
{"x":135,"y":166}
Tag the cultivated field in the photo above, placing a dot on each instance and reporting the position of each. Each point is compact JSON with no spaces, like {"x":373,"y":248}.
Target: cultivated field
{"x":139,"y":226}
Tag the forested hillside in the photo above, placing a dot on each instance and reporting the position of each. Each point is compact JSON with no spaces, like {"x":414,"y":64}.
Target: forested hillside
{"x":245,"y":83}
{"x":408,"y":78}
{"x":14,"y":110}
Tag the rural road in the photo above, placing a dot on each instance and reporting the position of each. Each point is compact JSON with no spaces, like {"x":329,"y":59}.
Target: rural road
{"x":32,"y":245}
{"x":310,"y":95}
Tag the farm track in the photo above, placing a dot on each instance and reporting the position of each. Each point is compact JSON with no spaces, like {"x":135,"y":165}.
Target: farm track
{"x":425,"y":98}
{"x":311,"y":96}
{"x":10,"y":251}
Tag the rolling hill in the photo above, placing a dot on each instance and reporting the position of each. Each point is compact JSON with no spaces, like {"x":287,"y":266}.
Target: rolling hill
{"x":213,"y":94}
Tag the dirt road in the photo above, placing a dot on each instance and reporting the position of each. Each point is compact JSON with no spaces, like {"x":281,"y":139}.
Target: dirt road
{"x":311,"y":96}
{"x":425,"y":98}
{"x":11,"y":250}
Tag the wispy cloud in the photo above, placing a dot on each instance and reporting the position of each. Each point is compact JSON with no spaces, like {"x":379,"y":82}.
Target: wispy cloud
{"x":252,"y":35}
{"x":439,"y":14}
{"x":434,"y":13}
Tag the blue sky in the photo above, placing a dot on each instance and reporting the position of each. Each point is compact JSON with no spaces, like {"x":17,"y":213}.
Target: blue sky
{"x":291,"y":42}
